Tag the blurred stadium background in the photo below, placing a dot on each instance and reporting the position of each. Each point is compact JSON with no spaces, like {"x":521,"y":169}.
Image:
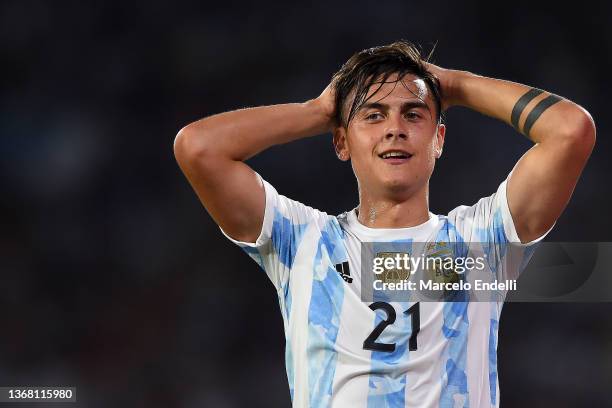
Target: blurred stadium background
{"x":115,"y":280}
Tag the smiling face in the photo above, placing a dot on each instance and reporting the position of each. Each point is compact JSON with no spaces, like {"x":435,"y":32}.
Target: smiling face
{"x":394,"y":139}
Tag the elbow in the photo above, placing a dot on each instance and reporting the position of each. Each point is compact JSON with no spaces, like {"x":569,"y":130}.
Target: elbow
{"x":581,"y":133}
{"x":584,"y":130}
{"x":189,"y":145}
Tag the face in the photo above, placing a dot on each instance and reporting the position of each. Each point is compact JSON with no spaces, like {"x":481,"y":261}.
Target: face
{"x":394,"y":140}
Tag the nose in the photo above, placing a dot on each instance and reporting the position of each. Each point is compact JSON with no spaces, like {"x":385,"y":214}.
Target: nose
{"x":395,"y":133}
{"x":396,"y":128}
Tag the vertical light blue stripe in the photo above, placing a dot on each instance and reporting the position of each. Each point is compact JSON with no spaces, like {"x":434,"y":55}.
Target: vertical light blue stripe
{"x":455,"y":329}
{"x":324,"y":314}
{"x":494,"y":242}
{"x":387,"y":386}
{"x":493,"y":328}
{"x":286,"y":238}
{"x":454,"y":376}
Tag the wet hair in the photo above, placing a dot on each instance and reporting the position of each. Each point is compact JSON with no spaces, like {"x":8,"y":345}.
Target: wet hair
{"x":374,"y":66}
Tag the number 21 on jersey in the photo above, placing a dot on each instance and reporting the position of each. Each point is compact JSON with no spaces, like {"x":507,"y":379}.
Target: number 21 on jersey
{"x":413,"y":311}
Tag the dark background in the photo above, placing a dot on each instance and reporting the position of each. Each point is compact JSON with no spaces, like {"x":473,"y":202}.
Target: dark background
{"x":115,"y":280}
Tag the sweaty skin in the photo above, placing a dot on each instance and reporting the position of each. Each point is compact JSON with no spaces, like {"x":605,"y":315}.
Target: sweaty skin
{"x":212,"y":152}
{"x":365,"y":136}
{"x":421,"y":88}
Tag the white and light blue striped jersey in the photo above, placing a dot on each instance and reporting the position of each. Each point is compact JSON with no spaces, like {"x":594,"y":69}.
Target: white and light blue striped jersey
{"x":313,"y":260}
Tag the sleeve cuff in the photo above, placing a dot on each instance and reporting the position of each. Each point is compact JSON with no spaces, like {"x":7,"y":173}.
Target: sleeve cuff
{"x":266,"y":229}
{"x":508,"y":221}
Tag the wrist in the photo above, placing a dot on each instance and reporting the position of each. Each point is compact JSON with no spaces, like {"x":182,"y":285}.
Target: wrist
{"x":457,"y":87}
{"x":321,"y":111}
{"x":320,"y":114}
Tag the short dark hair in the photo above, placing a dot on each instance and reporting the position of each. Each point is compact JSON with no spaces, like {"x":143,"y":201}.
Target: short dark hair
{"x":376,"y":64}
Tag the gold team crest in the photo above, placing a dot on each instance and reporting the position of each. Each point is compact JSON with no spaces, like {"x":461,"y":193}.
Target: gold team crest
{"x":436,"y":264}
{"x":401,"y":271}
{"x":439,"y":263}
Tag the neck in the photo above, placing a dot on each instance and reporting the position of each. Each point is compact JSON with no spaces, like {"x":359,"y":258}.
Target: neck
{"x":393,"y":212}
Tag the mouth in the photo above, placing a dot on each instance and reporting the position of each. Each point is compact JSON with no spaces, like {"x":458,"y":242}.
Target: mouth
{"x":395,"y":156}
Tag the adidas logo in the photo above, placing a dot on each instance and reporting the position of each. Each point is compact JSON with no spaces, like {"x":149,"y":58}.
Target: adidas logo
{"x":343,"y":270}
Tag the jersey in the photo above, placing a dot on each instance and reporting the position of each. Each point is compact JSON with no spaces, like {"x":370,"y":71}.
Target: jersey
{"x":313,"y":260}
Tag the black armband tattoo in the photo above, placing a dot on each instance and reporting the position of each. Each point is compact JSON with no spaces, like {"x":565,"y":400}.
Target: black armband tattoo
{"x":538,"y":110}
{"x":521,"y":104}
{"x":535,"y":113}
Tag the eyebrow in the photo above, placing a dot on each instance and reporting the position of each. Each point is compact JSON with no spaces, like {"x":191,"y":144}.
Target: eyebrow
{"x":384,"y":106}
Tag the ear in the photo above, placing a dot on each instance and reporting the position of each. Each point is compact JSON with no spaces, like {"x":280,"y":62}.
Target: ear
{"x":439,"y":142}
{"x":340,"y":143}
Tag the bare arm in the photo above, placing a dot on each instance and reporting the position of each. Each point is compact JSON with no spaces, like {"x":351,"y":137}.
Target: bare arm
{"x":544,"y":179}
{"x":211,"y":154}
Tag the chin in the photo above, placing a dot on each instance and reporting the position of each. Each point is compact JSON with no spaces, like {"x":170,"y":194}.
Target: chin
{"x":396,"y":185}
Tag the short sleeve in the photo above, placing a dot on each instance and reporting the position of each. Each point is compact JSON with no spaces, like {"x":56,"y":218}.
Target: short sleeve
{"x":489,"y":225}
{"x":284,"y":225}
{"x":508,"y":221}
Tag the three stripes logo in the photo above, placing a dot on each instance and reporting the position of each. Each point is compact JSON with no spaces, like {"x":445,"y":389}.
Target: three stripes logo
{"x":343,"y":270}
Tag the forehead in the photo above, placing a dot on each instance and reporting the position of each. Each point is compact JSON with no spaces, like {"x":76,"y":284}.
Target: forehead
{"x":407,"y":87}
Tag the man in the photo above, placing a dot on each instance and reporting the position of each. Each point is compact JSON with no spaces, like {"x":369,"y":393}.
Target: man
{"x":384,"y":108}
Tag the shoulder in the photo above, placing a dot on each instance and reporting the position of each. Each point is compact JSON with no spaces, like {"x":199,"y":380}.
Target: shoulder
{"x":483,"y":220}
{"x":288,"y":218}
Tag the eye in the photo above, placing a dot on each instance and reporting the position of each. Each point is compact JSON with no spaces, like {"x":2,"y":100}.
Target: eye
{"x":413,"y":115}
{"x":373,"y":116}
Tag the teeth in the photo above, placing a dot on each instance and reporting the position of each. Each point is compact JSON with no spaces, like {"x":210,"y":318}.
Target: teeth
{"x":393,"y":154}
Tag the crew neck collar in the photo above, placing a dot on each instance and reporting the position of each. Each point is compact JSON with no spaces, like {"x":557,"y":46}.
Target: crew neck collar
{"x":415,"y":232}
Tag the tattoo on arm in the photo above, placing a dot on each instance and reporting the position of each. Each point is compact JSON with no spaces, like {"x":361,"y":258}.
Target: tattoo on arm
{"x":521,"y":104}
{"x":535,"y":113}
{"x":538,"y":110}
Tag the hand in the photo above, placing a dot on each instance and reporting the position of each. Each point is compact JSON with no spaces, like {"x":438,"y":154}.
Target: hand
{"x":326,"y":102}
{"x":448,"y":84}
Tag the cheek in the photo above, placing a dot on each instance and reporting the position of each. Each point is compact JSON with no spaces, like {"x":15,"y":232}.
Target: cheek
{"x":361,"y":141}
{"x":432,"y":148}
{"x":431,"y":144}
{"x":428,"y":152}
